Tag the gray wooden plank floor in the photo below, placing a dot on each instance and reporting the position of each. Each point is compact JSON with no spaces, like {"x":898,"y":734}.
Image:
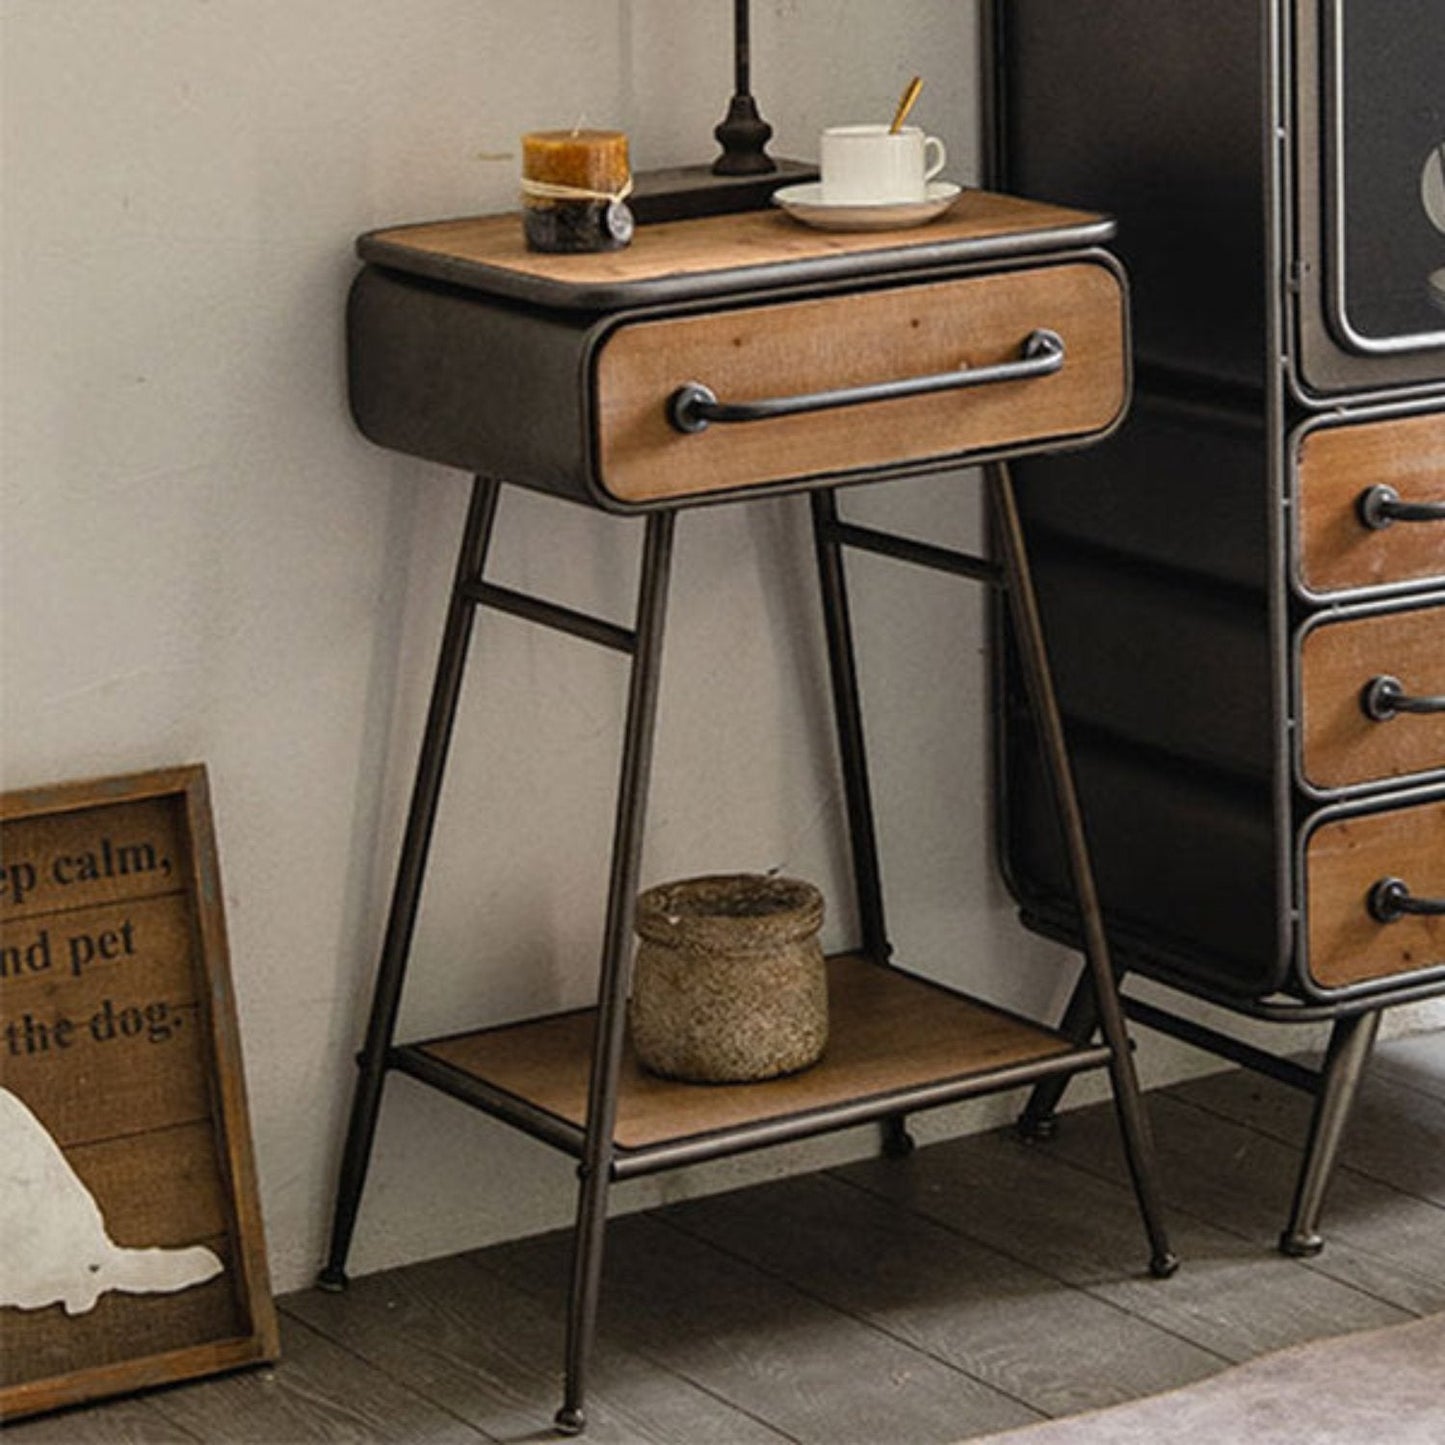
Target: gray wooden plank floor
{"x":974,"y":1286}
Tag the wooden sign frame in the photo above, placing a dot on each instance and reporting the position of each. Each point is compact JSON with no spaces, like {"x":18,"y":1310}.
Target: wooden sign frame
{"x":118,"y":1038}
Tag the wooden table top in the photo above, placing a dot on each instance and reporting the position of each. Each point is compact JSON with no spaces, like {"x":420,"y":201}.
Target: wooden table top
{"x":715,"y":255}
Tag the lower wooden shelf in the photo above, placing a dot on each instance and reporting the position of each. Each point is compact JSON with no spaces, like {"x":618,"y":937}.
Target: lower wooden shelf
{"x":897,"y":1043}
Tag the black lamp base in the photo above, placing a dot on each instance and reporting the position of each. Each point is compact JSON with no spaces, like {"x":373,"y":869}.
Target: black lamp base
{"x":743,"y":136}
{"x":682,"y":192}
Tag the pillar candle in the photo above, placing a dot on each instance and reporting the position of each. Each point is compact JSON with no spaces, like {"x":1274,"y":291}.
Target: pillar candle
{"x":574,"y":183}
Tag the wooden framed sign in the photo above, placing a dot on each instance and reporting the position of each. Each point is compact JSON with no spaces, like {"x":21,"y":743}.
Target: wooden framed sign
{"x":131,"y":1251}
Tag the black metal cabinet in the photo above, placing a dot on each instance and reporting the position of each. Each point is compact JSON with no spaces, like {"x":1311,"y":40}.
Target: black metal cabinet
{"x":1221,"y":593}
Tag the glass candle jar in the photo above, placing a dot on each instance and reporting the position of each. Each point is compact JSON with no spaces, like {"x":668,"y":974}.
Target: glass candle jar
{"x":575,"y":185}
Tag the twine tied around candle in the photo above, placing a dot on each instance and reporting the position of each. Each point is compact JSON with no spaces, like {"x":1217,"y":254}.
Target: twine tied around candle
{"x":551,"y":191}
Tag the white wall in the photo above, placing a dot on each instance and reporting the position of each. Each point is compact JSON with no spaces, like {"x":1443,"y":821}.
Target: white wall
{"x":204,"y":561}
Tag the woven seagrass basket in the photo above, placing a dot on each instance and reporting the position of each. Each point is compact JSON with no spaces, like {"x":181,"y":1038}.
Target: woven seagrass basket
{"x":730,"y":984}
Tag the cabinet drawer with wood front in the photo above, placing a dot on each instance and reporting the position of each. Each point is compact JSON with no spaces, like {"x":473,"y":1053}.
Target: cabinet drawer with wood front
{"x":652,"y":406}
{"x":1372,"y":696}
{"x":1374,"y":893}
{"x":1371,"y":504}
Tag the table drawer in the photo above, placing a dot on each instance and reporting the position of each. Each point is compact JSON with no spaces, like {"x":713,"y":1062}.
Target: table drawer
{"x":1352,"y":937}
{"x":812,"y":350}
{"x":1337,"y":467}
{"x":1368,"y":683}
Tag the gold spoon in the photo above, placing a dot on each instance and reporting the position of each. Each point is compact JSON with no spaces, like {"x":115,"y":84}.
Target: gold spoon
{"x":910,"y":94}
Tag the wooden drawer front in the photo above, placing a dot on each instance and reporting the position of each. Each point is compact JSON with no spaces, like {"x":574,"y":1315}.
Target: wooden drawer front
{"x":1338,"y":552}
{"x":1344,"y":860}
{"x":849,"y":341}
{"x":1342,"y":745}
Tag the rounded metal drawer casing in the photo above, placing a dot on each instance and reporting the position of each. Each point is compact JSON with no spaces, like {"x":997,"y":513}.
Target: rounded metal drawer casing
{"x":1339,"y":550}
{"x":1349,"y":734}
{"x":833,"y":343}
{"x":1345,"y":858}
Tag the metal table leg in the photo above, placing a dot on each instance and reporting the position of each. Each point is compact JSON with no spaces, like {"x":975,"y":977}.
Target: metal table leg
{"x":596,"y":1167}
{"x":411,"y":869}
{"x":853,"y":755}
{"x":848,"y":719}
{"x":1028,"y":631}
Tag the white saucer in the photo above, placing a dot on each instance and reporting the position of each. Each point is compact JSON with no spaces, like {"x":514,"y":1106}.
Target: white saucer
{"x":806,"y":204}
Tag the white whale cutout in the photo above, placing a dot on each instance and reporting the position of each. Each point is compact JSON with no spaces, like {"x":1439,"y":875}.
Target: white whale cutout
{"x":54,"y":1248}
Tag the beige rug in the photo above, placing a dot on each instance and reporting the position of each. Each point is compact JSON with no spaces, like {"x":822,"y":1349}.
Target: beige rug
{"x":1380,"y":1387}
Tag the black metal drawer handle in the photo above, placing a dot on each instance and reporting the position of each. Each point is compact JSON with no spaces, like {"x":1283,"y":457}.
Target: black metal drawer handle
{"x":1384,"y":697}
{"x":693,"y":406}
{"x":1390,"y":900}
{"x":1381,"y":506}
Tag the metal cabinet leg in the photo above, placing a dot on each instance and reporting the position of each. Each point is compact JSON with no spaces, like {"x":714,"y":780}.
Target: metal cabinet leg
{"x":1351,"y":1040}
{"x":1039,"y":1119}
{"x":1028,"y":631}
{"x":411,"y":868}
{"x":596,"y":1168}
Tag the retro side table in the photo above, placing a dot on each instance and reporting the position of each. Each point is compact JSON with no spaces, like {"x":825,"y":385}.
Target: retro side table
{"x":715,"y":360}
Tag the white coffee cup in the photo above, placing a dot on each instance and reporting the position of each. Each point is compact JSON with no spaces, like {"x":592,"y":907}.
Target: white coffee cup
{"x":873,"y":165}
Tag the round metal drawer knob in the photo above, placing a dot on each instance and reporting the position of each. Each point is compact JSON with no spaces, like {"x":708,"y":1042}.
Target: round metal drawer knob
{"x":1384,"y":697}
{"x":1381,"y":507}
{"x":1390,"y":900}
